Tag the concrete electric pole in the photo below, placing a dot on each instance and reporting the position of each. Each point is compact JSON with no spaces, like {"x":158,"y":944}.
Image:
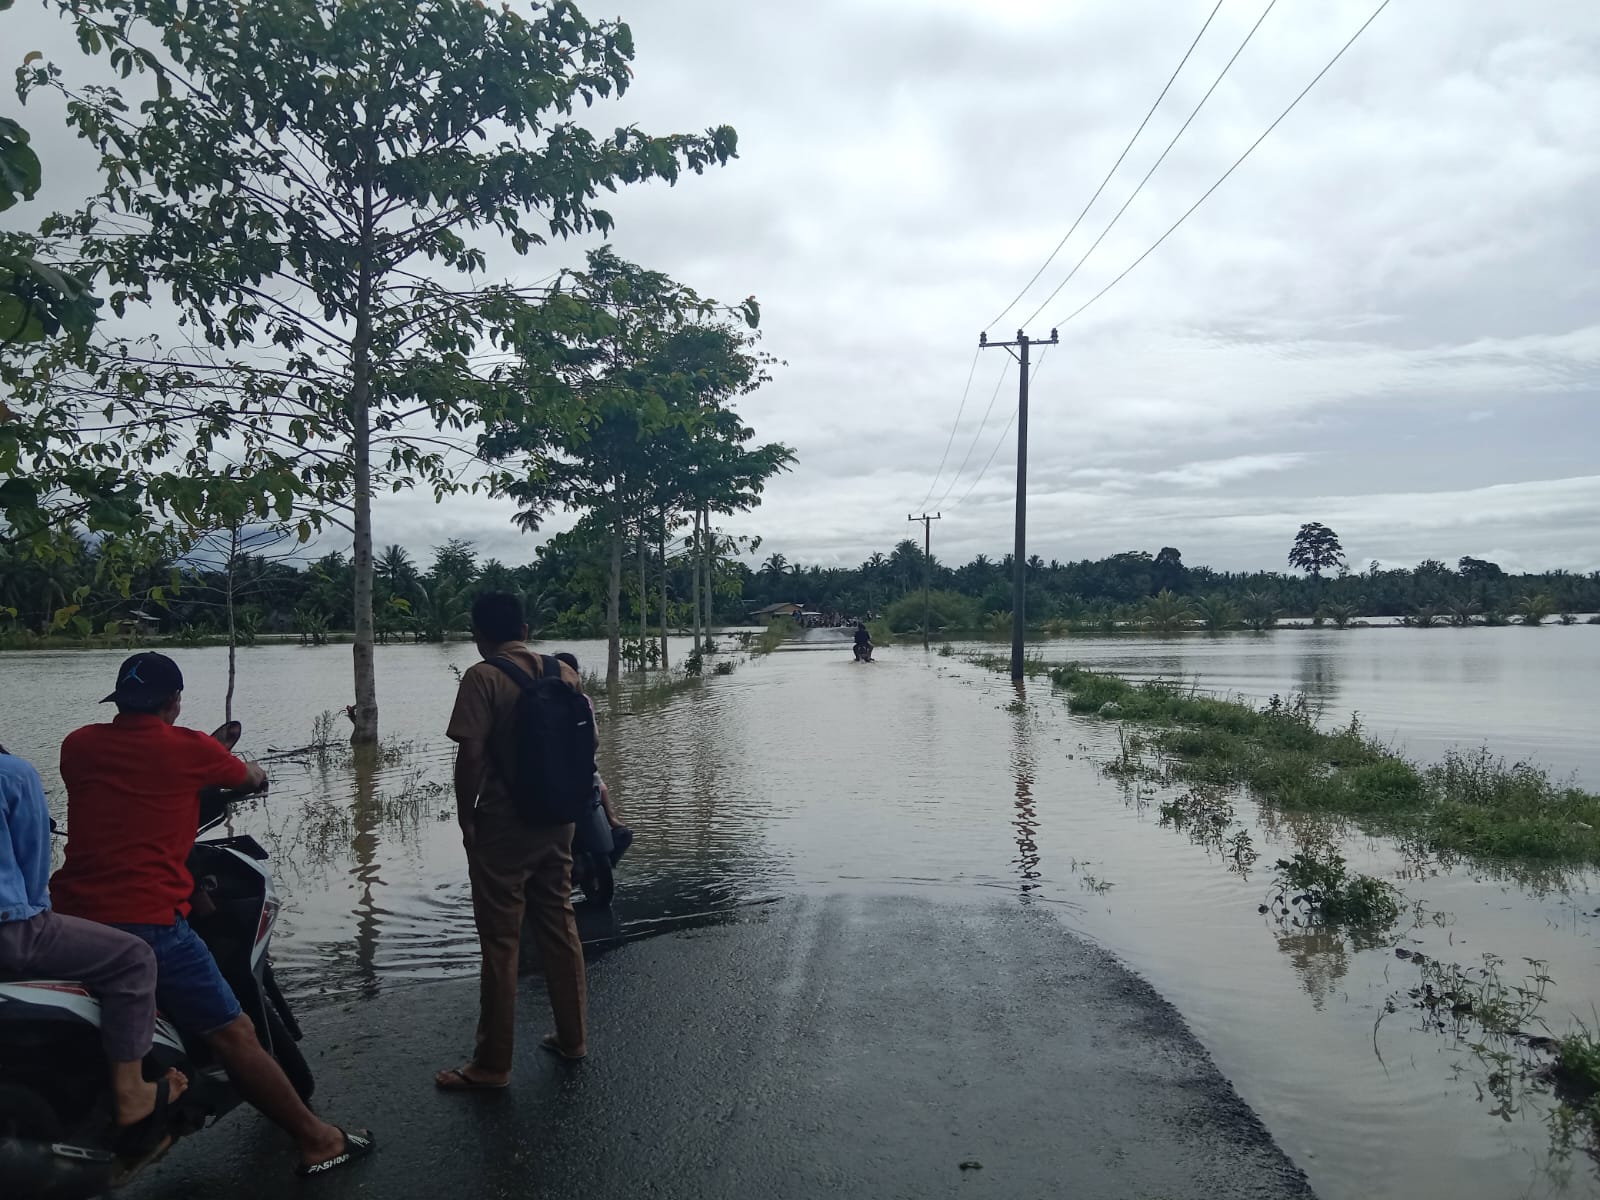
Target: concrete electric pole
{"x":1019,"y":555}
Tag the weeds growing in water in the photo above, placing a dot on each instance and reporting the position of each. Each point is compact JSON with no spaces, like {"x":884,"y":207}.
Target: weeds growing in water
{"x":947,"y":650}
{"x":1032,"y":663}
{"x":1471,"y":803}
{"x":725,"y":667}
{"x":1316,"y":884}
{"x":769,"y":639}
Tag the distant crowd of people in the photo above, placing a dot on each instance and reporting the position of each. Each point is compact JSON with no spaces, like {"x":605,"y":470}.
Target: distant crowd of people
{"x":825,"y":620}
{"x":115,"y":915}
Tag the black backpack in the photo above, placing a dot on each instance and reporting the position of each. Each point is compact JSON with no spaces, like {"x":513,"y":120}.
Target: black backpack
{"x":555,"y":768}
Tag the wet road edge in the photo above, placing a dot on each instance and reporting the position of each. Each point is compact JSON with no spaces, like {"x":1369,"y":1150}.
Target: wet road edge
{"x":840,"y":1045}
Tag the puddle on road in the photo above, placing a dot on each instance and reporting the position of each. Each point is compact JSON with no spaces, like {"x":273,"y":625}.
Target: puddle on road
{"x":922,"y":775}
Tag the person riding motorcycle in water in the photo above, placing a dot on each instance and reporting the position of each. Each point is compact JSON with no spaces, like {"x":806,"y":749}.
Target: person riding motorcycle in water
{"x":863,"y":648}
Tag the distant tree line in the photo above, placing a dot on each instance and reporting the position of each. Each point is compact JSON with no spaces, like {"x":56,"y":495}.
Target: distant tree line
{"x":1160,"y":590}
{"x":564,"y":591}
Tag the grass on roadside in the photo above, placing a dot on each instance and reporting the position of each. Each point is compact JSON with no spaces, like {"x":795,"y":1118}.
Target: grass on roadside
{"x":769,"y":639}
{"x":1472,"y":803}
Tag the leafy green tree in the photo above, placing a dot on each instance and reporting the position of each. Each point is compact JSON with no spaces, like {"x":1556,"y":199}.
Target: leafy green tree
{"x":456,"y":562}
{"x":643,"y":368}
{"x":1167,"y":572}
{"x":312,"y":185}
{"x":1316,"y":549}
{"x":1479,"y":568}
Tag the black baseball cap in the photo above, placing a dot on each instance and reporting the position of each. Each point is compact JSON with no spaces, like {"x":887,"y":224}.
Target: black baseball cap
{"x":146,"y":679}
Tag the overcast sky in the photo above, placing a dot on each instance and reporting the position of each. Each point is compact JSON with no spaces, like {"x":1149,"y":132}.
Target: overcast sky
{"x":1388,"y":319}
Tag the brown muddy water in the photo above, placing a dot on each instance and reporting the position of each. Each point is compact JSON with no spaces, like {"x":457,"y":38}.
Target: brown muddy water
{"x":803,"y":772}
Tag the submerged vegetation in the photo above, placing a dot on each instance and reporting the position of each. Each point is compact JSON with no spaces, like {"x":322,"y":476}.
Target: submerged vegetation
{"x":1317,"y":882}
{"x":1470,"y":803}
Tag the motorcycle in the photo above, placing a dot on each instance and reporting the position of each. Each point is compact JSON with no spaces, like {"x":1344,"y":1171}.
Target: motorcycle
{"x":57,"y":1129}
{"x":596,"y":849}
{"x":863,"y":651}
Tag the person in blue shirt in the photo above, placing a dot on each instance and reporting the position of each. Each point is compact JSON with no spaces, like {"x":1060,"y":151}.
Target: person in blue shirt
{"x":116,"y":967}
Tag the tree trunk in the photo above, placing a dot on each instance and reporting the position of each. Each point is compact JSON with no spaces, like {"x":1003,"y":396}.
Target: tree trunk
{"x":614,"y":611}
{"x":661,"y":545}
{"x":644,"y":597}
{"x":708,"y":551}
{"x":365,"y":715}
{"x":233,"y":637}
{"x":694,"y":575}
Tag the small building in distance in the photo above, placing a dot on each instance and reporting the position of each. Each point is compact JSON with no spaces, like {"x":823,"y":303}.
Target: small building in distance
{"x":773,"y":611}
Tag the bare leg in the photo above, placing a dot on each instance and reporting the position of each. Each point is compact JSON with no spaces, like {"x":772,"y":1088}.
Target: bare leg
{"x":261,"y":1081}
{"x":136,"y":1099}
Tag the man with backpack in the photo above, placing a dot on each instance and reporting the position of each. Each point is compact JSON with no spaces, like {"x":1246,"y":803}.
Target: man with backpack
{"x":524,"y":771}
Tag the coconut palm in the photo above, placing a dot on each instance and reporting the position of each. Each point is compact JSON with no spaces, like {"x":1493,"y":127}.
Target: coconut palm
{"x":1340,"y":614}
{"x":1534,"y":607}
{"x":1462,"y":612}
{"x":1260,"y":611}
{"x":1217,"y":612}
{"x":395,"y":568}
{"x":1424,"y":616}
{"x":1167,"y":612}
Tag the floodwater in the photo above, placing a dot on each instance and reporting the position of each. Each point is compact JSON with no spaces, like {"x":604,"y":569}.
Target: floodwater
{"x":803,"y":772}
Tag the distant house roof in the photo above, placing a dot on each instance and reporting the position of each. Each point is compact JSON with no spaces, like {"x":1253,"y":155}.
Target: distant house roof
{"x":776,"y":609}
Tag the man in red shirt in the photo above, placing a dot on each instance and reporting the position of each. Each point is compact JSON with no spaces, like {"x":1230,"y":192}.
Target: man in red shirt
{"x":133,"y":806}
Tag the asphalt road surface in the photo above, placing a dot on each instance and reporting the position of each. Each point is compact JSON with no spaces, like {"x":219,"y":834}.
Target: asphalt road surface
{"x":844,"y":1046}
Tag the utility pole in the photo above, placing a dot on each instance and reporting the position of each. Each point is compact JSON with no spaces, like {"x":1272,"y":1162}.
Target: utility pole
{"x":927,"y":566}
{"x":1019,"y":555}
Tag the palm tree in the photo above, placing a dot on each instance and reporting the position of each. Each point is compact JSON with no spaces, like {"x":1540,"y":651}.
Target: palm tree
{"x":495,"y":576}
{"x":1340,"y":614}
{"x":1534,"y":607}
{"x":1167,"y":612}
{"x":1425,"y":616}
{"x":1260,"y":611}
{"x":1217,"y":612}
{"x":1462,"y":612}
{"x":394,"y":567}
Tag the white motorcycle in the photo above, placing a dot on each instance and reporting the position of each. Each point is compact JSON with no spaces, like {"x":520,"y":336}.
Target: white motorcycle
{"x":57,"y":1126}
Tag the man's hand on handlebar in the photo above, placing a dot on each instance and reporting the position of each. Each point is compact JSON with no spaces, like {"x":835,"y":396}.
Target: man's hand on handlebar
{"x":255,"y":780}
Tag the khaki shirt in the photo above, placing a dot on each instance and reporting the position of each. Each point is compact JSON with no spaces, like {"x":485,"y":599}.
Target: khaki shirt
{"x":486,"y":713}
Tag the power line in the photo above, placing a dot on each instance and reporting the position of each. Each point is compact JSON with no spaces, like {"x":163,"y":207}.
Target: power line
{"x":1010,"y":421}
{"x":1292,"y":104}
{"x":1117,"y":216}
{"x":948,"y":441}
{"x":956,"y":478}
{"x":1152,"y":112}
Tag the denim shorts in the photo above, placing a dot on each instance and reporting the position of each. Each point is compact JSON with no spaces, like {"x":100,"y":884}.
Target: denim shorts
{"x":190,"y":989}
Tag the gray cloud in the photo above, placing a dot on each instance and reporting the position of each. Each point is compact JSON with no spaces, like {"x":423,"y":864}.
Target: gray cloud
{"x":1385,"y":320}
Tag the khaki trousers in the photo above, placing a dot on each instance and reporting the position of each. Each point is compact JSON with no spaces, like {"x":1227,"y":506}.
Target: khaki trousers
{"x":516,"y":868}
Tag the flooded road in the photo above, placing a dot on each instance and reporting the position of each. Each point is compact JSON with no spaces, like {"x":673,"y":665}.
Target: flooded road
{"x":805,"y":774}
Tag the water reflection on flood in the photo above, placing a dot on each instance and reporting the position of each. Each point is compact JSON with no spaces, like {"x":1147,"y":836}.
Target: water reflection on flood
{"x":805,"y":772}
{"x":1027,"y":818}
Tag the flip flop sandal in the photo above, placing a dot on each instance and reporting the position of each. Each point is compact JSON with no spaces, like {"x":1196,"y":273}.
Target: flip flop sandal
{"x":142,"y":1138}
{"x":356,"y":1145}
{"x":552,"y":1044}
{"x":465,"y":1082}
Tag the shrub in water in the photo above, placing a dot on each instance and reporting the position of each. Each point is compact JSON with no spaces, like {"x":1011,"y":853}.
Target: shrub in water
{"x":1317,"y":881}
